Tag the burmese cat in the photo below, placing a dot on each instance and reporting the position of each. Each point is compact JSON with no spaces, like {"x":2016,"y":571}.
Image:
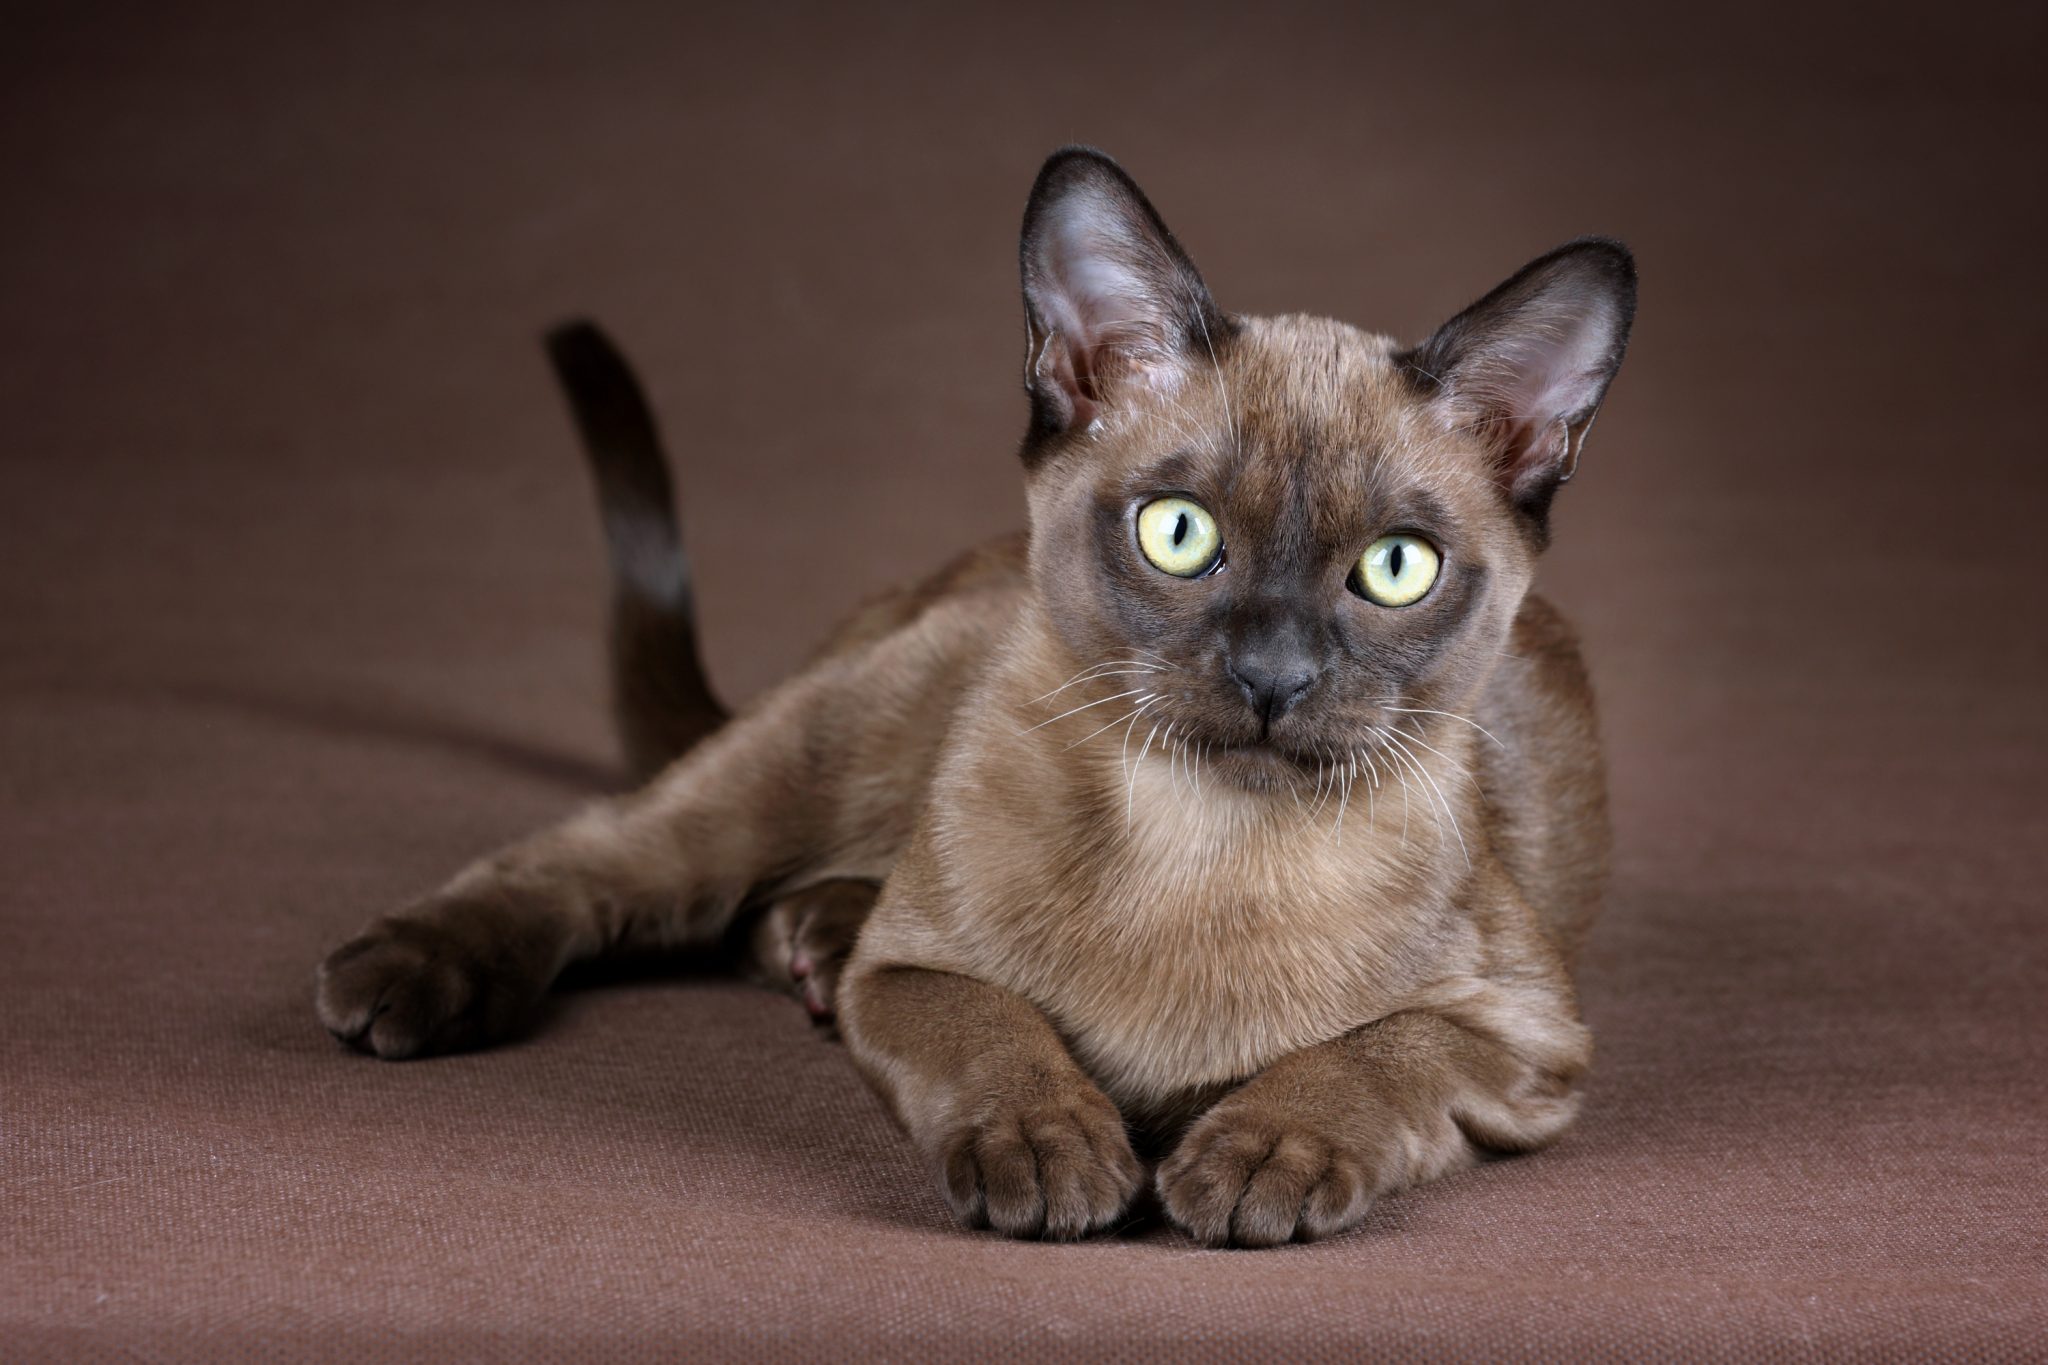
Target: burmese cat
{"x":1247,"y":812}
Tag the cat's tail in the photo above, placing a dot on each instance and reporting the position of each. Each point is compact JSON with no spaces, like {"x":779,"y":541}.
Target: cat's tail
{"x":661,"y":701}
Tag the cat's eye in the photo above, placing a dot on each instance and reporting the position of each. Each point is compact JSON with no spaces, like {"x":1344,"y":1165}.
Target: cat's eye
{"x":1179,"y":537}
{"x":1396,"y":570}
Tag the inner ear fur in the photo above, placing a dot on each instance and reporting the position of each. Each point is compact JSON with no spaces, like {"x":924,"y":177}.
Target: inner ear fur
{"x":1110,"y":298}
{"x":1525,"y":369}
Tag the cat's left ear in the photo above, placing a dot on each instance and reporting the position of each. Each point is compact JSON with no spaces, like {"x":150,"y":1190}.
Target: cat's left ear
{"x":1110,"y":299}
{"x":1526,"y":367}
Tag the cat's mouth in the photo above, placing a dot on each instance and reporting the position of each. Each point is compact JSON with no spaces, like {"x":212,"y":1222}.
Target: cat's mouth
{"x":1259,"y":762}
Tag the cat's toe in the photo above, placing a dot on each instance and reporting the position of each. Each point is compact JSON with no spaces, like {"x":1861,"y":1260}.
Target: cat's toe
{"x":1059,"y":1169}
{"x":826,"y":925}
{"x":385,"y":993}
{"x":1244,"y":1182}
{"x":818,"y":962}
{"x":407,"y":986}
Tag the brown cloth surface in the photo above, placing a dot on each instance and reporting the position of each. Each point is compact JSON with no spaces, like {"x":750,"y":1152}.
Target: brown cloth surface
{"x":301,"y":594}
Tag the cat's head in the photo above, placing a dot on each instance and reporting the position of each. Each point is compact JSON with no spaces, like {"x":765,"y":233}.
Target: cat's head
{"x":1308,"y":526}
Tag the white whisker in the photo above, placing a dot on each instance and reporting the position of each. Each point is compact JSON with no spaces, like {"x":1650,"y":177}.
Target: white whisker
{"x":1124,"y":758}
{"x":1444,"y":802}
{"x":1093,"y":677}
{"x":1343,"y":805}
{"x":1450,"y":715}
{"x":1144,"y":702}
{"x":1084,"y":707}
{"x":1131,"y":797}
{"x":1396,"y":771}
{"x":1418,"y":739}
{"x":1325,"y":781}
{"x":1109,"y":668}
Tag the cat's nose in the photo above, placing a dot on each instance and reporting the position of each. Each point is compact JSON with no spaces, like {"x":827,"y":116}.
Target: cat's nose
{"x":1272,"y":686}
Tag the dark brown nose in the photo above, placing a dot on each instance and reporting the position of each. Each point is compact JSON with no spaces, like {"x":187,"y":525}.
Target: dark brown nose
{"x":1273,"y":685}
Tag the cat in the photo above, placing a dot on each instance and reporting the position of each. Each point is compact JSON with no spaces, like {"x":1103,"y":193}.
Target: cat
{"x":1240,"y":821}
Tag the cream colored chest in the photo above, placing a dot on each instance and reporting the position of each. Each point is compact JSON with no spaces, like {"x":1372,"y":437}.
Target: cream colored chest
{"x":1204,"y":941}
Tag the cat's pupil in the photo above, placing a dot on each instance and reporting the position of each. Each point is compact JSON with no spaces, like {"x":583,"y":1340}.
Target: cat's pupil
{"x":1180,"y":529}
{"x":1394,"y":562}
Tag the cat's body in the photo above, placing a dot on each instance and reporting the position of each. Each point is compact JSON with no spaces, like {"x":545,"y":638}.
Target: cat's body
{"x":1259,"y":859}
{"x":1182,"y":935}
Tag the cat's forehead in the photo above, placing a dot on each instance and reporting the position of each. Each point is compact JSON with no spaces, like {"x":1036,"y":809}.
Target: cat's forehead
{"x":1304,"y":412}
{"x":1320,"y":395}
{"x":1310,"y":369}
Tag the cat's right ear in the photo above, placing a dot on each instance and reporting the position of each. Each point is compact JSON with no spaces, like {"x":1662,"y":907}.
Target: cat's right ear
{"x":1110,"y":299}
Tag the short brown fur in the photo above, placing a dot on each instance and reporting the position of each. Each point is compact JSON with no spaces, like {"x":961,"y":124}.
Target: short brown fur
{"x":1310,"y":957}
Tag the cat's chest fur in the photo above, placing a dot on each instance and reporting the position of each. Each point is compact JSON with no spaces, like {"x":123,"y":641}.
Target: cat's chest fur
{"x":1183,"y":938}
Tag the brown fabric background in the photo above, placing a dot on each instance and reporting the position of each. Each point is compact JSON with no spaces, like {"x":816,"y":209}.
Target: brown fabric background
{"x":300,"y":598}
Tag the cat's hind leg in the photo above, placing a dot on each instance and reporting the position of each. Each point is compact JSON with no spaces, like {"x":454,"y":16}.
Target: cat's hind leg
{"x":821,"y":780}
{"x":801,"y":942}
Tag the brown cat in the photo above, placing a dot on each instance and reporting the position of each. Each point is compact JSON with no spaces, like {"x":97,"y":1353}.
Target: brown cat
{"x":1250,"y":808}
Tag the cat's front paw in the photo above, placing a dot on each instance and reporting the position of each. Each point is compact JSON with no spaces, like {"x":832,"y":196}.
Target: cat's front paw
{"x":1250,"y":1174}
{"x":418,"y":983}
{"x":1059,"y":1166}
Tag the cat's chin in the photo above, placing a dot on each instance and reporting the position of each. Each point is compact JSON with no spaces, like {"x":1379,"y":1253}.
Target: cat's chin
{"x":1257,"y":767}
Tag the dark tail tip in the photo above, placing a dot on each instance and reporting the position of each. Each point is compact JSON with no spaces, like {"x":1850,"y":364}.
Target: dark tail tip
{"x":661,"y":700}
{"x":624,"y":445}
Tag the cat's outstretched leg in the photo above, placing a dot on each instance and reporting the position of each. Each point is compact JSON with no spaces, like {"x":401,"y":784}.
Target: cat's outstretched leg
{"x":467,"y":965}
{"x":1302,"y":1149}
{"x":820,"y":780}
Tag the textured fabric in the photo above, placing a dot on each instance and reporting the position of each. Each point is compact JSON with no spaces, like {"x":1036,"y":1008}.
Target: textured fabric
{"x":302,"y":595}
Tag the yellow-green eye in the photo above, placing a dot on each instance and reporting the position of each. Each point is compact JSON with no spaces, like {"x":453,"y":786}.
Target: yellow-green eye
{"x":1178,"y":536}
{"x":1396,"y":570}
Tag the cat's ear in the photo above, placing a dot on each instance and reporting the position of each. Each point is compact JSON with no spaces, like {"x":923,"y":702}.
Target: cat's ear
{"x":1110,"y":299}
{"x":1525,"y":368}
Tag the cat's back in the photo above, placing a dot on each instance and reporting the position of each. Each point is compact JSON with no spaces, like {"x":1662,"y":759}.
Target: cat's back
{"x":994,"y":569}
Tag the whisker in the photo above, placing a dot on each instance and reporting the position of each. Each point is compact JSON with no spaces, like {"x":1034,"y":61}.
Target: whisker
{"x":1131,"y":797}
{"x":1308,"y":812}
{"x":1343,"y":804}
{"x":1451,"y":715}
{"x":1108,"y":669}
{"x":1372,"y":786}
{"x":1083,"y":707}
{"x":1336,"y":772}
{"x":1443,"y":800}
{"x":1397,"y":772}
{"x":1149,"y":698}
{"x":1125,"y":757}
{"x":1323,"y":769}
{"x":1429,"y":803}
{"x":1459,"y":767}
